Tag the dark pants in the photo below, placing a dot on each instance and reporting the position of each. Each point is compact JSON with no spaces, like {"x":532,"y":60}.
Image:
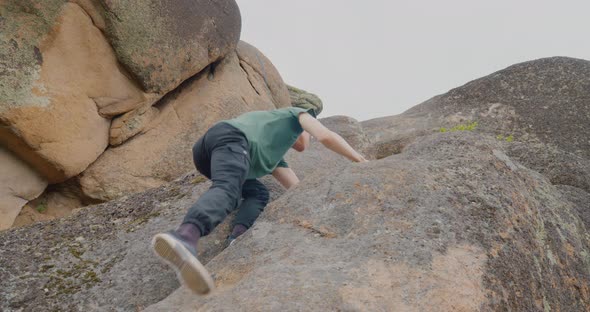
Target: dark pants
{"x":221,"y":155}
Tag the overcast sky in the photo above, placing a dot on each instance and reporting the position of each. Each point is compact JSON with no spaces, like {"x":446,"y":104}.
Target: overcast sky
{"x":374,"y":58}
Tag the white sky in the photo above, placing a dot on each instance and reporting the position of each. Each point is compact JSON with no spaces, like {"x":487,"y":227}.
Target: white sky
{"x":374,"y":58}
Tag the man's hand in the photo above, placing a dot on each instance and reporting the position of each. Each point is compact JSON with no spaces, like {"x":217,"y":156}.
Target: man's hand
{"x":286,"y":177}
{"x":363,"y":159}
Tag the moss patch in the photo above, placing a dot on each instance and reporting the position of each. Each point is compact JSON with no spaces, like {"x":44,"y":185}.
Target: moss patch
{"x":132,"y":226}
{"x":198,"y":179}
{"x":24,"y":25}
{"x":80,"y":275}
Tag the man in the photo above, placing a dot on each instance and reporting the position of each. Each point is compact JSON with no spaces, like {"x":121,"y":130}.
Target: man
{"x":234,"y":154}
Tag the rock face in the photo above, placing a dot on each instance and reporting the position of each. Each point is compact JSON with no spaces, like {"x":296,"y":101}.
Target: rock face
{"x":79,"y":77}
{"x":450,"y":224}
{"x":99,"y":258}
{"x":263,"y":75}
{"x":27,"y":185}
{"x":163,"y":43}
{"x":465,"y":220}
{"x":544,"y":100}
{"x":430,"y":228}
{"x":54,"y":103}
{"x":539,"y":109}
{"x":162,"y":150}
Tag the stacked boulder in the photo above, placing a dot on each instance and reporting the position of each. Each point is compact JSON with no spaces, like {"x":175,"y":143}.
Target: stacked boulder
{"x":106,"y":97}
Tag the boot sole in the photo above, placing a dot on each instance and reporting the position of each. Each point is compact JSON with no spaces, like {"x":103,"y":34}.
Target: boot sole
{"x":188,"y":268}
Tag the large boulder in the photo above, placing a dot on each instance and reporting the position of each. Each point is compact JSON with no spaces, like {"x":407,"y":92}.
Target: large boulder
{"x":263,"y":75}
{"x":18,"y":185}
{"x":161,"y":151}
{"x":55,"y":104}
{"x":429,"y":229}
{"x":544,"y":101}
{"x":163,"y":43}
{"x":537,"y":109}
{"x":450,"y":224}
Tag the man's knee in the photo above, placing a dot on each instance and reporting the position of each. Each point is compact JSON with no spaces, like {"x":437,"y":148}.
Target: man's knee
{"x":263,"y":195}
{"x":257,"y":191}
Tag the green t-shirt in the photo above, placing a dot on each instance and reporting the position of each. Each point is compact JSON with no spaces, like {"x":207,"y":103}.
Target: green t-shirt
{"x":270,"y":135}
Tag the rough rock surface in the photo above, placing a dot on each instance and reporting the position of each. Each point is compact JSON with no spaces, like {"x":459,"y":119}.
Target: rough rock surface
{"x":57,"y":201}
{"x":54,"y":103}
{"x":132,"y":123}
{"x":457,"y":221}
{"x":162,"y":151}
{"x":541,"y":101}
{"x":163,"y":43}
{"x":18,"y":184}
{"x":450,"y":224}
{"x":263,"y":75}
{"x":544,"y":100}
{"x":99,"y":258}
{"x":559,"y":166}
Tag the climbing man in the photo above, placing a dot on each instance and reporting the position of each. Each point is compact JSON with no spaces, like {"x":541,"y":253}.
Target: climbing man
{"x":233,"y":154}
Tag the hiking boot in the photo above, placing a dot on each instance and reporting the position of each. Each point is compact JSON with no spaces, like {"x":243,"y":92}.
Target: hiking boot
{"x":182,"y":257}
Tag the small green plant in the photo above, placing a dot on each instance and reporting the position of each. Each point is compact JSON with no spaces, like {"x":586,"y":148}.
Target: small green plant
{"x":508,"y":139}
{"x":41,"y":208}
{"x":465,"y":127}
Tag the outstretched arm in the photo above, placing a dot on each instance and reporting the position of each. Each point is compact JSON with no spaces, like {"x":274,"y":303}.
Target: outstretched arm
{"x":286,"y":177}
{"x":328,"y":138}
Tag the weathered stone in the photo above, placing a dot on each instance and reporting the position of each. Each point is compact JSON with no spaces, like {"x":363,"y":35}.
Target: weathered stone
{"x":559,"y":166}
{"x":263,"y":75}
{"x":541,"y":101}
{"x":54,"y":103}
{"x":18,"y":184}
{"x":57,"y":201}
{"x":163,"y":43}
{"x":134,"y":219}
{"x":29,"y":215}
{"x":390,"y":135}
{"x":99,"y":257}
{"x":445,"y":225}
{"x":125,"y":127}
{"x":304,"y":99}
{"x":580,"y":199}
{"x":453,"y":221}
{"x":162,"y":150}
{"x":544,"y":100}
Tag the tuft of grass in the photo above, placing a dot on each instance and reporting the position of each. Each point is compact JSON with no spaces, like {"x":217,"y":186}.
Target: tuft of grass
{"x":508,"y":139}
{"x":198,"y":179}
{"x":41,"y":208}
{"x":463,"y":127}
